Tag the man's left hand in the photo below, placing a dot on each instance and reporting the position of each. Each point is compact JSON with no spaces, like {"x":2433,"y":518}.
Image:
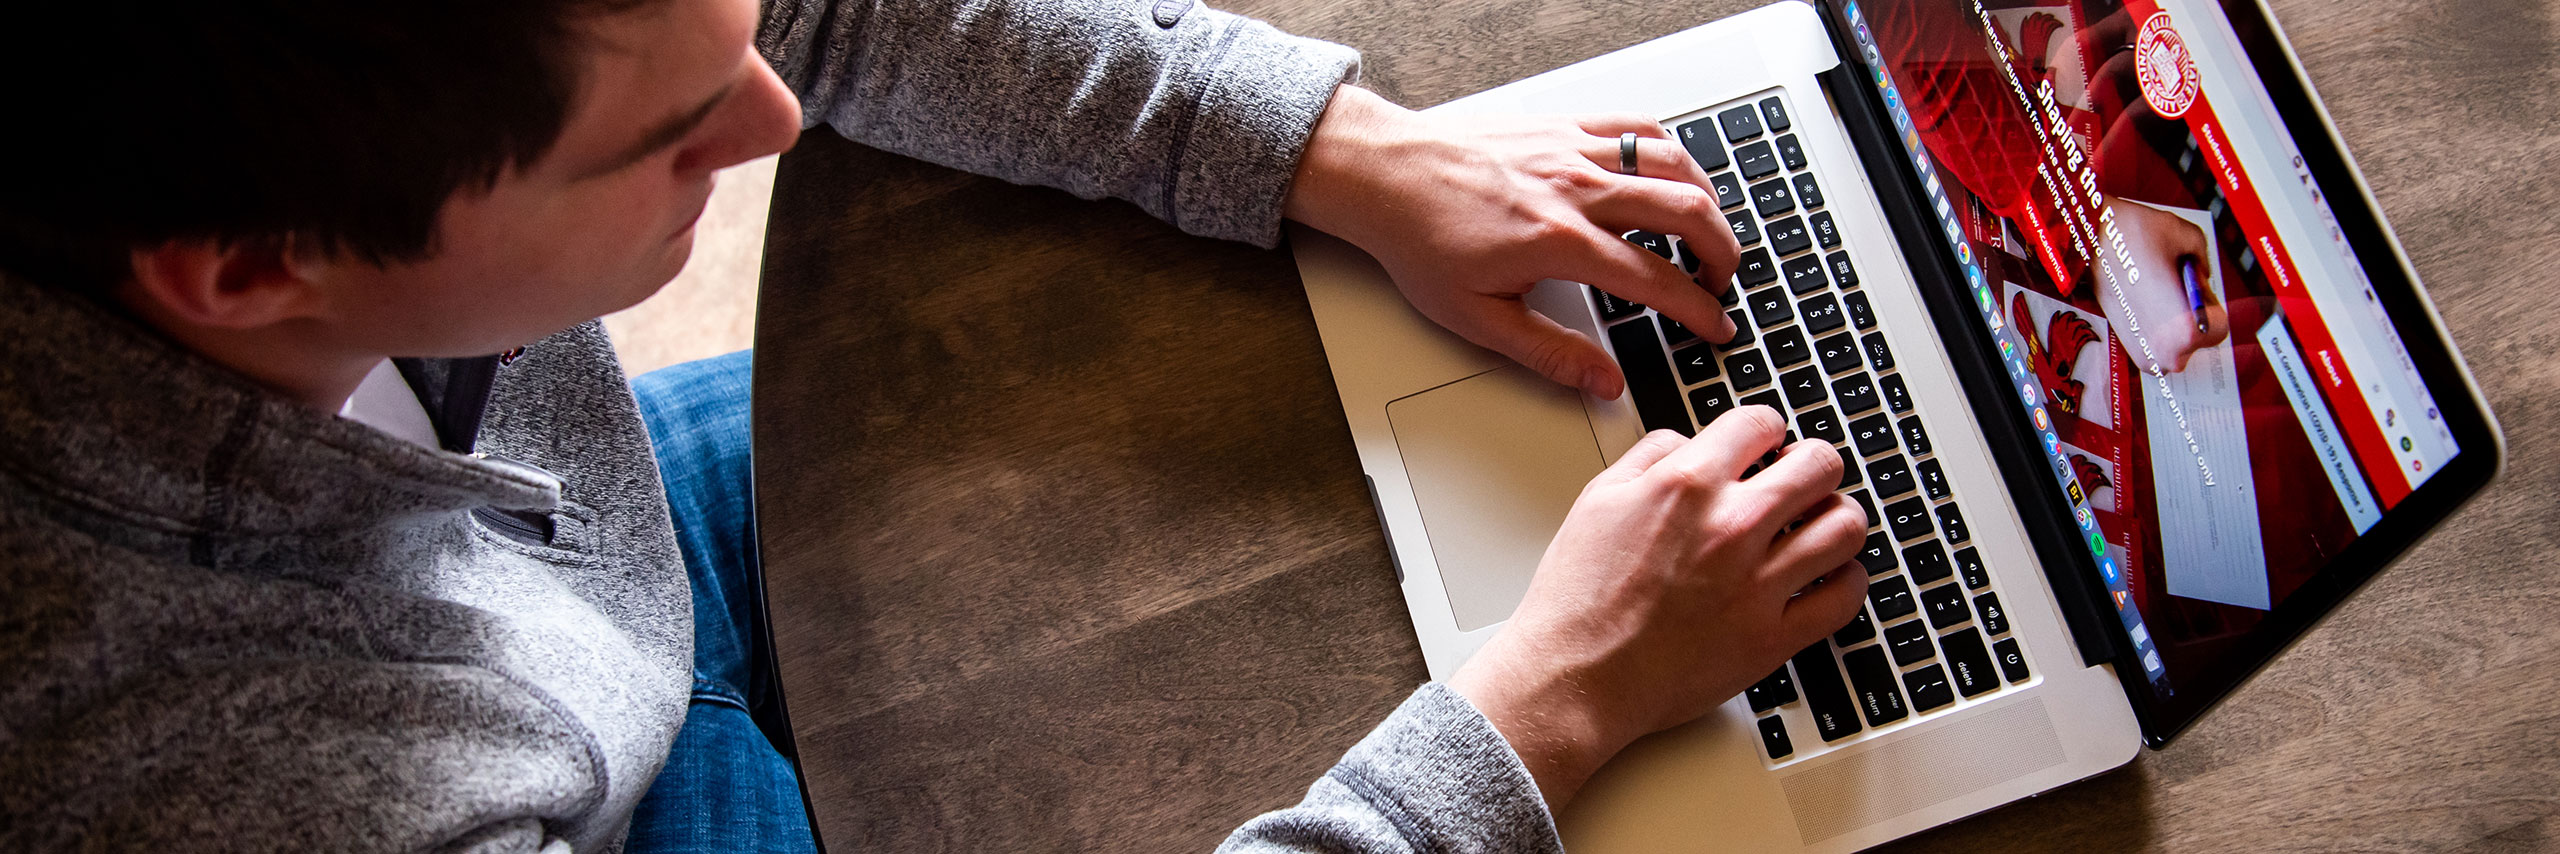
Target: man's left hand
{"x":1468,"y":214}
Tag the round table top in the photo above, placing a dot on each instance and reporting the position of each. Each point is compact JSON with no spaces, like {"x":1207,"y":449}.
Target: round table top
{"x":1067,"y":548}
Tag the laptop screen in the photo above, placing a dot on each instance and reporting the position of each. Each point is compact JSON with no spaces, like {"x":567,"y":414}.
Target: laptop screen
{"x":2223,"y":398}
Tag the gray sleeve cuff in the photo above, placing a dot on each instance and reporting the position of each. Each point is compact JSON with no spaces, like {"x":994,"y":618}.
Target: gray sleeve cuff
{"x":1435,"y":776}
{"x":1199,"y":121}
{"x":1262,"y":95}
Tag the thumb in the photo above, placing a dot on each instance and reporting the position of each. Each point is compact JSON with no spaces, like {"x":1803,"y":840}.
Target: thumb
{"x":1509,"y":327}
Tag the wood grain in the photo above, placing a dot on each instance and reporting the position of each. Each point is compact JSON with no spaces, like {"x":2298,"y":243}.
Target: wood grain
{"x":1068,"y":550}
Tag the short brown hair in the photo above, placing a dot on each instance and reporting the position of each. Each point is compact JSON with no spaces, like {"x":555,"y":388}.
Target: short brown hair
{"x":343,"y":126}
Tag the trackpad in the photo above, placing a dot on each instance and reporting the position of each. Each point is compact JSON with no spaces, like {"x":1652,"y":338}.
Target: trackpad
{"x":1495,"y":459}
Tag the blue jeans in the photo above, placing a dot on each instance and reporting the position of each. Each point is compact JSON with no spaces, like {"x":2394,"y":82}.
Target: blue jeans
{"x":727,"y":785}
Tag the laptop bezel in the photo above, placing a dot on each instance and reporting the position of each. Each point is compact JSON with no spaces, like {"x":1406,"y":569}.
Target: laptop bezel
{"x":2071,"y":569}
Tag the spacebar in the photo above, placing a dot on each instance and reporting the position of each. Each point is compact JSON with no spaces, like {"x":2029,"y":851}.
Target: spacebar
{"x":1649,"y":383}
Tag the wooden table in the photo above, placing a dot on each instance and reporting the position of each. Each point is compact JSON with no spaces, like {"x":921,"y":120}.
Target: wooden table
{"x":1067,"y":547}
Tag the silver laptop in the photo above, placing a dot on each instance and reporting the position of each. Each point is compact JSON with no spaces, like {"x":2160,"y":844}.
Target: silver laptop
{"x":2119,"y":444}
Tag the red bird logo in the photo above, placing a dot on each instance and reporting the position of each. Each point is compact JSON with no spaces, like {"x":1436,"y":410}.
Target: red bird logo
{"x":2092,"y":478}
{"x":2056,"y":353}
{"x":2035,"y":34}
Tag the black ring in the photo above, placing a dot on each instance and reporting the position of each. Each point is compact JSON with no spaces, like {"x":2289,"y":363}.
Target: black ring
{"x":1626,"y":154}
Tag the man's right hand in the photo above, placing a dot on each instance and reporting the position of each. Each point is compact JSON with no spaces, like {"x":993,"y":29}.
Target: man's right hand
{"x":1673,"y":584}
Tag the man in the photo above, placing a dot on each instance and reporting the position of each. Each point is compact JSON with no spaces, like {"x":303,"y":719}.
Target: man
{"x":293,"y":563}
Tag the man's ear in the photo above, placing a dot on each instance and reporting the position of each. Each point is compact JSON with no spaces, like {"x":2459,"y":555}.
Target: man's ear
{"x":213,"y":284}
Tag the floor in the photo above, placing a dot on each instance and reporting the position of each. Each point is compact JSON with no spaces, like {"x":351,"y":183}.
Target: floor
{"x":710,"y":308}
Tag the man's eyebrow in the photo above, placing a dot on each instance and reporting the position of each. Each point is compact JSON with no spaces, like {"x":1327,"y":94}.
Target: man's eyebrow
{"x":666,"y":133}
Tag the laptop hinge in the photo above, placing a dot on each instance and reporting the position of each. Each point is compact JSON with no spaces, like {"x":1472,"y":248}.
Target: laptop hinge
{"x":2068,"y":566}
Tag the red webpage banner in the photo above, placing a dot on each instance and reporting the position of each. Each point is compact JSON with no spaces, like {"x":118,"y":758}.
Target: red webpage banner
{"x":2172,"y":84}
{"x":2152,"y":308}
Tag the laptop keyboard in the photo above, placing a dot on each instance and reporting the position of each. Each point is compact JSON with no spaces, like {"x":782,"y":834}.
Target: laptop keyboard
{"x":1932,"y":637}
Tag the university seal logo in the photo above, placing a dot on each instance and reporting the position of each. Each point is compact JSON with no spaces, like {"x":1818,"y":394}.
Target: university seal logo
{"x":2166,"y":69}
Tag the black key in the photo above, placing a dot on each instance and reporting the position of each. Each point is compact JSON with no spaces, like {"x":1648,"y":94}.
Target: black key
{"x":1612,"y":307}
{"x":1755,"y":268}
{"x":1756,"y":161}
{"x":1859,"y":314}
{"x":1838,"y":352}
{"x":1808,"y":193}
{"x":1891,"y":476}
{"x":1821,"y":314}
{"x":1859,"y":628}
{"x":1848,"y":468}
{"x":2013,"y":663}
{"x":1654,"y":243}
{"x":1891,"y":598}
{"x":1994,"y":620}
{"x":1841,"y":270}
{"x":1915,"y":438}
{"x":1856,"y":393}
{"x":1910,"y":643}
{"x":1749,"y":370}
{"x":1787,"y":347}
{"x":1951,"y":522}
{"x":1881,"y":357}
{"x":1874,"y":435}
{"x":1740,"y":123}
{"x":1710,"y":402}
{"x":1877,"y":557}
{"x":1771,"y":307}
{"x":1791,"y":152}
{"x":1676,"y":333}
{"x":1821,"y":423}
{"x":1695,"y":364}
{"x":1772,"y":198}
{"x":1968,"y":663}
{"x":1746,"y":231}
{"x":1824,"y":232}
{"x":1804,"y":275}
{"x":1969,"y":565}
{"x":1728,"y":296}
{"x":1945,"y":605}
{"x":1741,"y":328}
{"x":1803,"y":386}
{"x":1928,"y":562}
{"x":1771,"y":691}
{"x":1825,"y":695}
{"x":1729,"y":192}
{"x":1700,"y":138}
{"x":1773,"y":738}
{"x":1933,"y":480}
{"x":1867,"y":504}
{"x":1776,"y":111}
{"x":1688,"y":260}
{"x":1767,"y":398}
{"x":1649,"y":382}
{"x":1929,"y":688}
{"x":1896,"y":395}
{"x":1909,"y":518}
{"x":1879,"y":694}
{"x":1788,"y":236}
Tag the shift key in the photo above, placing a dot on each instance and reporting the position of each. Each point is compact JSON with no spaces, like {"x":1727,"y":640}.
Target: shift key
{"x":1824,"y":694}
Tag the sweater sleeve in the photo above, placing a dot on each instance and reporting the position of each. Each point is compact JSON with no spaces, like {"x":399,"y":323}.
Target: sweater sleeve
{"x":1435,"y":776}
{"x":1197,"y":116}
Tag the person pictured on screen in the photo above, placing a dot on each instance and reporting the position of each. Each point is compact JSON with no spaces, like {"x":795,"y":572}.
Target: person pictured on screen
{"x":329,"y":523}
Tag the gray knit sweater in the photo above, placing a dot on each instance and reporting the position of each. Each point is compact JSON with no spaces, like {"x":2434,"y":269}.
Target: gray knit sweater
{"x":235,"y":623}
